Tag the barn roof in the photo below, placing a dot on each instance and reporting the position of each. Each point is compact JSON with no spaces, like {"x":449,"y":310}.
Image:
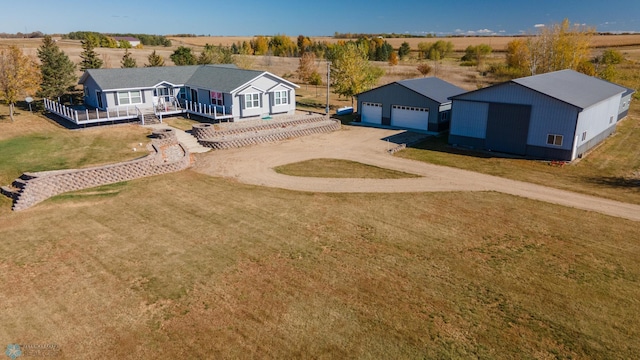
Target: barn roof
{"x":572,"y":87}
{"x":431,"y":87}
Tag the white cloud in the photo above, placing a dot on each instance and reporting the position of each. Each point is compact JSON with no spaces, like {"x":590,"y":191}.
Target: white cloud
{"x":502,"y":31}
{"x":485,"y":31}
{"x":538,"y":25}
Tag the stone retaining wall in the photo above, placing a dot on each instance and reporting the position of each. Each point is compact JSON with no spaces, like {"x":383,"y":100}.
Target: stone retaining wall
{"x":167,"y":156}
{"x":395,"y":149}
{"x":207,"y":131}
{"x":277,"y":129}
{"x":220,"y":144}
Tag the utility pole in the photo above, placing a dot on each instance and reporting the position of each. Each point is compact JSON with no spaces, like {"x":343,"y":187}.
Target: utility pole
{"x":328,"y":82}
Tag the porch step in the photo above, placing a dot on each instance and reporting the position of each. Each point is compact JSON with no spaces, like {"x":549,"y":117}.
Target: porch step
{"x":10,"y":192}
{"x":19,"y":183}
{"x":151,"y":119}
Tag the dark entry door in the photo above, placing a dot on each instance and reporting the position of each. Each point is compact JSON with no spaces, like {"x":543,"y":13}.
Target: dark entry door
{"x":508,"y":128}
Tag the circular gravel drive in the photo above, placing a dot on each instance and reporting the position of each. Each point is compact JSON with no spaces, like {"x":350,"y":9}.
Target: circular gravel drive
{"x":254,"y":165}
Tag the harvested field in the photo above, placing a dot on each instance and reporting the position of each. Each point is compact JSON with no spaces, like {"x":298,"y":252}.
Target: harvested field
{"x":499,"y":43}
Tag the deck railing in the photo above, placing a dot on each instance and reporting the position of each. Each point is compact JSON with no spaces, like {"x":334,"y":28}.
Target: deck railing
{"x":215,"y":112}
{"x":92,"y":116}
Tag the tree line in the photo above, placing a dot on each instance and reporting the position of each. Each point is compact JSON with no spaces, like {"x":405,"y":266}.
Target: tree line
{"x":106,"y":40}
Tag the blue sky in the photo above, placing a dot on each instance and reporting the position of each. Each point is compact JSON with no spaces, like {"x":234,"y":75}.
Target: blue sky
{"x":313,"y":18}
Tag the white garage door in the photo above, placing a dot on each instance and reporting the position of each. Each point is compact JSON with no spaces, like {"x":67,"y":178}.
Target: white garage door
{"x":410,"y":117}
{"x":371,"y":113}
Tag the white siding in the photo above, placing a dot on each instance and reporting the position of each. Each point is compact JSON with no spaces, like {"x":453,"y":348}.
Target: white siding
{"x":597,"y":118}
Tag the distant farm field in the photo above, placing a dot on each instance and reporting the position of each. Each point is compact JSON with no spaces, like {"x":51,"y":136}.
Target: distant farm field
{"x":499,"y":43}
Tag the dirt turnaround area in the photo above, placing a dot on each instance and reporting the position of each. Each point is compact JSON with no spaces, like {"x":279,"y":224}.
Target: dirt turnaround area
{"x":254,"y":165}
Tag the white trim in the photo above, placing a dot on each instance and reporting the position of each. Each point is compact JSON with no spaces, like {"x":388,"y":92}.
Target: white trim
{"x":242,"y":92}
{"x":259,"y":99}
{"x":166,"y":82}
{"x":248,"y":83}
{"x":282,"y":85}
{"x":129,"y":97}
{"x":286,"y":97}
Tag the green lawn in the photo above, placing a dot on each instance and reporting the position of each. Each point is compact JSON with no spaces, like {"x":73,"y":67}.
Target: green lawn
{"x":337,"y":168}
{"x":38,"y":145}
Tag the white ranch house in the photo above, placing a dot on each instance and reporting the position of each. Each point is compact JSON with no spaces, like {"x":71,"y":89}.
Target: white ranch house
{"x":220,"y":92}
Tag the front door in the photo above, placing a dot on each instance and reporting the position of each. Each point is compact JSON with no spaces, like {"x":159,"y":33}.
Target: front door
{"x":99,"y":97}
{"x":194,"y":95}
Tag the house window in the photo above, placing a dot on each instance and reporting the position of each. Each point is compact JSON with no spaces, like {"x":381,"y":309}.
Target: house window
{"x":554,"y":139}
{"x":251,"y":101}
{"x":444,"y":116}
{"x":584,"y":136}
{"x":280,"y":97}
{"x":183,"y":93}
{"x":163,"y":91}
{"x":129,"y":97}
{"x":217,"y":98}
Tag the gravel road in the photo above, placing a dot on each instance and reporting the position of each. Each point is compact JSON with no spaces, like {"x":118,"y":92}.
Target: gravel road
{"x":254,"y":165}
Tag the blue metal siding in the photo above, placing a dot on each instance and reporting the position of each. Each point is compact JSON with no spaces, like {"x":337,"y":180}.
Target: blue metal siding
{"x":548,"y":115}
{"x":469,"y":119}
{"x":394,"y":94}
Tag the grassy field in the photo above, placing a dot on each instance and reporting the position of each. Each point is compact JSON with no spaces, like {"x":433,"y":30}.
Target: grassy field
{"x":336,"y":168}
{"x":216,"y":269}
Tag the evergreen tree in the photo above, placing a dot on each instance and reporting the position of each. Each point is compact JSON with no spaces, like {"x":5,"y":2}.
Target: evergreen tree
{"x":128,"y":61}
{"x":58,"y":72}
{"x":404,"y":50}
{"x":155,"y":60}
{"x":90,"y":58}
{"x":183,"y":56}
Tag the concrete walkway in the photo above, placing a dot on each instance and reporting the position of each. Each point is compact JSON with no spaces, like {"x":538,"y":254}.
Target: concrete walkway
{"x":186,"y":139}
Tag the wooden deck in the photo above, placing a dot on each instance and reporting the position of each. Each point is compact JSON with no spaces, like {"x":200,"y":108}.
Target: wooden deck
{"x":84,"y":116}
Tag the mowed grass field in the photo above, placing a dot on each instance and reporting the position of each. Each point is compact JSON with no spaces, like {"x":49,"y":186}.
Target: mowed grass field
{"x":191,"y":266}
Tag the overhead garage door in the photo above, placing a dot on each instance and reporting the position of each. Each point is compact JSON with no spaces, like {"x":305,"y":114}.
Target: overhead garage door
{"x":508,"y":128}
{"x":371,"y":113}
{"x":410,"y":117}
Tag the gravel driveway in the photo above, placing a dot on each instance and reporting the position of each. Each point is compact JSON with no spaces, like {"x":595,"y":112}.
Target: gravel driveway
{"x":254,"y":165}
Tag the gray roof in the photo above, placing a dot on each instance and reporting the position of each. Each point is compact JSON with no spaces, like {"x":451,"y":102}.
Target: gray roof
{"x":143,"y":77}
{"x":433,"y":88}
{"x":572,"y":87}
{"x":225,"y":78}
